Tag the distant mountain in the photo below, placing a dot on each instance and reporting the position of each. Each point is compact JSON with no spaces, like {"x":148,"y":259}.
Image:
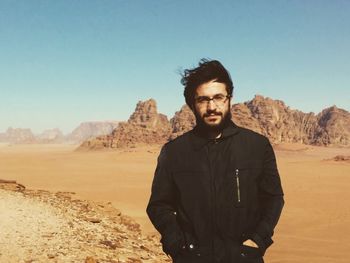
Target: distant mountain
{"x":87,"y":130}
{"x":17,"y":135}
{"x":50,"y":136}
{"x":269,"y":117}
{"x":83,"y":132}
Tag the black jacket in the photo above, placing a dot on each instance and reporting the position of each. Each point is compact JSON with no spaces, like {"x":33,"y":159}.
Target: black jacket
{"x":209,"y":196}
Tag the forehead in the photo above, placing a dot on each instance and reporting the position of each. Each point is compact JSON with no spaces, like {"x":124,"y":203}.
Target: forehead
{"x":211,"y":88}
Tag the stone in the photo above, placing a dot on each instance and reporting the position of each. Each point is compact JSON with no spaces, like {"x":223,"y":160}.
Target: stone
{"x":342,"y":158}
{"x":90,"y":260}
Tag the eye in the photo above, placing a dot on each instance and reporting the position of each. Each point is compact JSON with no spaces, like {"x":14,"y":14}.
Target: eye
{"x":219,"y":97}
{"x":202,"y":99}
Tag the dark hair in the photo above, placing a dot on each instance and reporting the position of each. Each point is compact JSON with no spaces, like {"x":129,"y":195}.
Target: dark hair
{"x":207,"y":70}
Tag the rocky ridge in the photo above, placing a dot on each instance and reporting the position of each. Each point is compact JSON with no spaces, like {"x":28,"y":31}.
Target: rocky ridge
{"x":91,"y":129}
{"x":17,"y":135}
{"x":182,"y":121}
{"x":40,"y":226}
{"x":50,"y":136}
{"x":84,"y":131}
{"x":145,"y":126}
{"x":280,"y":123}
{"x":272,"y":118}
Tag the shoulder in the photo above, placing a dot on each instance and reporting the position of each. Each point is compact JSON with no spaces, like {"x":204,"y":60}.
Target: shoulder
{"x":248,"y":135}
{"x":252,"y":145}
{"x":178,"y":142}
{"x":175,"y":148}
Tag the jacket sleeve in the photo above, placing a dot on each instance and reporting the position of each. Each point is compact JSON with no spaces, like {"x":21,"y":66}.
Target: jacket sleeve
{"x":271,"y":197}
{"x":161,"y":208}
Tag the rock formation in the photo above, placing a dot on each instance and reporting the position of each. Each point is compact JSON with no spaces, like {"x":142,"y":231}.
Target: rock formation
{"x":183,"y":121}
{"x":275,"y":120}
{"x":17,"y":135}
{"x":51,"y":136}
{"x":145,"y":126}
{"x":334,"y":127}
{"x":84,"y":131}
{"x":279,"y":123}
{"x":243,"y":117}
{"x":87,"y":130}
{"x":266,"y":116}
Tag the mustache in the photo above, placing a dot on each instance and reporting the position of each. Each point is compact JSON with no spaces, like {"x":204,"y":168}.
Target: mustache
{"x":208,"y":114}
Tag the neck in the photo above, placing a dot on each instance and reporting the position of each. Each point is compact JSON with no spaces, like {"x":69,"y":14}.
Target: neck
{"x":208,"y":133}
{"x":213,"y":134}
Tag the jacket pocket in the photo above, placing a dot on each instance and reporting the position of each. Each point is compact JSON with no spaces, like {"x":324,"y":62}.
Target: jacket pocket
{"x":239,"y":178}
{"x":237,"y":190}
{"x":249,"y":253}
{"x":245,"y":182}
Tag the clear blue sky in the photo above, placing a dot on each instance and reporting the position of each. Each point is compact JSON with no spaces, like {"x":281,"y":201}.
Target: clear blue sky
{"x":64,"y":62}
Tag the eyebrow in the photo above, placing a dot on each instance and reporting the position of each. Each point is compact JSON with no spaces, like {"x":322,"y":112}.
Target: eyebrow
{"x":211,"y":96}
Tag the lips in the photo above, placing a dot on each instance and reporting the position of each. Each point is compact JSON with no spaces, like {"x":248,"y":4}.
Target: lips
{"x":212,"y":115}
{"x":212,"y":118}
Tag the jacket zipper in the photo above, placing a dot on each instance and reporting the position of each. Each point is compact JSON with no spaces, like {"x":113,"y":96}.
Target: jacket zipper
{"x":238,"y":187}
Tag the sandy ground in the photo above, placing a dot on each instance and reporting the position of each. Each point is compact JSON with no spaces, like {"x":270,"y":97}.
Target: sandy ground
{"x":40,"y":226}
{"x":33,"y":220}
{"x":314,"y":227}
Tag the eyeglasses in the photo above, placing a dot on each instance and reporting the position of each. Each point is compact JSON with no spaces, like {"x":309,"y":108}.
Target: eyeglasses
{"x":218,"y":99}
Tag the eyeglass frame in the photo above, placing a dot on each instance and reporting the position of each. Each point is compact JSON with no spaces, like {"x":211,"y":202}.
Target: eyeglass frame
{"x":208,"y":99}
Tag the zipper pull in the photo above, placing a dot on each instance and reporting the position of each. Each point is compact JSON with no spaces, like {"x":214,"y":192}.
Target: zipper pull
{"x":238,"y":187}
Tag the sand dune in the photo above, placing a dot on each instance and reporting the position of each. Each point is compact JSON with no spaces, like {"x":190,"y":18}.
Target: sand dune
{"x":314,"y":226}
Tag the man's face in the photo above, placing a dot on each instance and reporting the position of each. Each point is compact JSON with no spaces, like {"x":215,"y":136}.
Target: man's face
{"x":211,"y":105}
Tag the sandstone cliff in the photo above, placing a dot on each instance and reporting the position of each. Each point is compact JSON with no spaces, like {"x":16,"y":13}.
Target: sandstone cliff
{"x":272,"y":118}
{"x":145,"y":126}
{"x":275,"y":120}
{"x":280,"y":123}
{"x":182,"y":121}
{"x":334,"y":127}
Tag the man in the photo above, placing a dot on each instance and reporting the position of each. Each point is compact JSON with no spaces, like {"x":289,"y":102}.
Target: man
{"x":216,"y":194}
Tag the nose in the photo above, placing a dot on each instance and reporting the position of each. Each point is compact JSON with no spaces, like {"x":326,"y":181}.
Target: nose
{"x":211,"y":105}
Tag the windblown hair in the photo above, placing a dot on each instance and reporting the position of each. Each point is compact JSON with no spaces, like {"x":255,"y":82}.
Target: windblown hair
{"x":207,"y":70}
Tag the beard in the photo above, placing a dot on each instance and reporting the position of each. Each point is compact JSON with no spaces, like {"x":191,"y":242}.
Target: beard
{"x":217,"y":127}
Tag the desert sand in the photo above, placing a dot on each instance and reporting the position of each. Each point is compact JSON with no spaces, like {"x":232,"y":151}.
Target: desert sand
{"x":314,"y":226}
{"x":40,"y":226}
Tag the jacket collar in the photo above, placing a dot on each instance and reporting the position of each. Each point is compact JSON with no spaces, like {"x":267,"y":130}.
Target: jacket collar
{"x":198,"y":140}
